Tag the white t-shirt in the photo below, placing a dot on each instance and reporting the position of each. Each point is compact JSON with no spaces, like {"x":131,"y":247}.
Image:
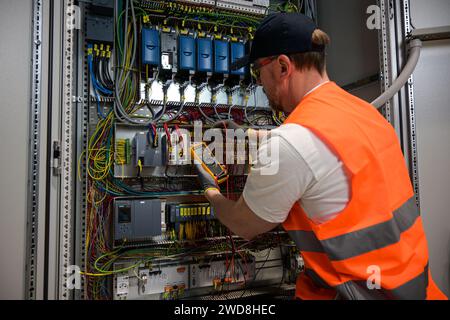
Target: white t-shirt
{"x":307,"y":172}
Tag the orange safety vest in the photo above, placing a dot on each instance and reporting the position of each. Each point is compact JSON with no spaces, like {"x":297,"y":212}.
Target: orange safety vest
{"x":376,"y":247}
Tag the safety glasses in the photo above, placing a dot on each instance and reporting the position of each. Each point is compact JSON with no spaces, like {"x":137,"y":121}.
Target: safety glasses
{"x":256,"y":67}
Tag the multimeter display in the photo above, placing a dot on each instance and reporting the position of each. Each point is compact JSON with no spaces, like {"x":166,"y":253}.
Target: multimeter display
{"x":201,"y":153}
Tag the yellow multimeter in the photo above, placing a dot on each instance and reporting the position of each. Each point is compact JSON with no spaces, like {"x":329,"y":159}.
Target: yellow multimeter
{"x":215,"y":169}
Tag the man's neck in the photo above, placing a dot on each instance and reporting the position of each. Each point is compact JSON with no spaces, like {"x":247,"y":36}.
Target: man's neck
{"x":303,"y":84}
{"x":316,"y":87}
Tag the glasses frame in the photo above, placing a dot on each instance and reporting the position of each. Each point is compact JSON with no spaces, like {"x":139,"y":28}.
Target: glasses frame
{"x":256,"y":67}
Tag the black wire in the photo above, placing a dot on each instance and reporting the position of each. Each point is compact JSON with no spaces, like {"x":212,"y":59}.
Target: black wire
{"x":281,"y":255}
{"x":96,"y":68}
{"x":109,"y":84}
{"x":100,"y":75}
{"x":256,"y":273}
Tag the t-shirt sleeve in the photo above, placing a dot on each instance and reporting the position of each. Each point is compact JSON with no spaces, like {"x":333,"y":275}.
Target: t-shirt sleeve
{"x":277,"y":181}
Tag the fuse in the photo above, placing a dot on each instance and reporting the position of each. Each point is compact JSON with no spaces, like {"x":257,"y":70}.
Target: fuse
{"x":151,"y":47}
{"x":221,"y":63}
{"x":237,"y":52}
{"x":186,"y":53}
{"x":204,"y":55}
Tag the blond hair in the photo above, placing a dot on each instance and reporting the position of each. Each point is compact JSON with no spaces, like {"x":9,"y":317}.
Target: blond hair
{"x":312,"y":60}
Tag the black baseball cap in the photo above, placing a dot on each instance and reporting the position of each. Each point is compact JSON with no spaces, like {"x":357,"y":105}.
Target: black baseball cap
{"x":281,"y":33}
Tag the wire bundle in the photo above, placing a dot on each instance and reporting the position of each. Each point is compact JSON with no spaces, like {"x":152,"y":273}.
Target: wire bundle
{"x":103,"y":152}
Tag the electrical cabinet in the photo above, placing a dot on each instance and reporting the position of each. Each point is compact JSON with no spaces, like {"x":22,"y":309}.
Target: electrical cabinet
{"x":115,"y":178}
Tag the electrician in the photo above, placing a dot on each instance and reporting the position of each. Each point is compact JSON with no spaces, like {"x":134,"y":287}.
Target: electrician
{"x":342,"y":189}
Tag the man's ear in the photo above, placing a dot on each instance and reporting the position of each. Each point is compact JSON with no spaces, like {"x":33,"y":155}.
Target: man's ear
{"x":285,"y":65}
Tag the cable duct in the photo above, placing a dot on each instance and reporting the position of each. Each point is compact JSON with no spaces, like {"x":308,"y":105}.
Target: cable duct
{"x":415,"y":48}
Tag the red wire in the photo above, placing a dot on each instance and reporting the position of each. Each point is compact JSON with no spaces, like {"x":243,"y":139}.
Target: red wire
{"x":166,"y":129}
{"x":233,"y":248}
{"x":177,"y":128}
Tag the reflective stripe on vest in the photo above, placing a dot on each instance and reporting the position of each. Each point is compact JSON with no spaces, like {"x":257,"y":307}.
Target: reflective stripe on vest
{"x":355,"y":243}
{"x":415,"y":289}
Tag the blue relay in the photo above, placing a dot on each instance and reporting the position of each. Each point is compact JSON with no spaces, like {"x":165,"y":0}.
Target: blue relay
{"x":151,"y":47}
{"x":221,"y":61}
{"x":204,"y":55}
{"x":186,"y":53}
{"x":237,"y":52}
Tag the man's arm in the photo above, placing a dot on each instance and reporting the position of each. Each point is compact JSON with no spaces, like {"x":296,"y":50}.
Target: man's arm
{"x":237,"y":216}
{"x":271,"y":189}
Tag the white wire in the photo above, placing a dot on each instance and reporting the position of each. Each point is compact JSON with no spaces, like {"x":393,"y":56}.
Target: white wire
{"x":182,"y":100}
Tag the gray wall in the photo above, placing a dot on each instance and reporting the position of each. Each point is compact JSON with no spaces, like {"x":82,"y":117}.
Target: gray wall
{"x":432,"y":96}
{"x":353,"y":52}
{"x":15,"y":55}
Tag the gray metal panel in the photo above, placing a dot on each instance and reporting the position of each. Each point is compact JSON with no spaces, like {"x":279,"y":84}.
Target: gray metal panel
{"x":353,"y":52}
{"x":431,"y":83}
{"x":147,"y":218}
{"x":15,"y":74}
{"x":433,"y":141}
{"x":430,"y":13}
{"x":48,"y":235}
{"x":68,"y":158}
{"x":100,"y":28}
{"x":82,"y":136}
{"x":368,"y":92}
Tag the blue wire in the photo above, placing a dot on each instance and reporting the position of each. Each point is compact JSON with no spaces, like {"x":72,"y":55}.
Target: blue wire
{"x":99,"y":109}
{"x":97,"y":87}
{"x":95,"y":83}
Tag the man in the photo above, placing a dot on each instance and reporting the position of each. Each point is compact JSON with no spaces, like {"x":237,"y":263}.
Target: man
{"x":342,"y":190}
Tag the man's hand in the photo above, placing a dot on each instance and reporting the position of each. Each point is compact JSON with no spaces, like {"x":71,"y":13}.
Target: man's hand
{"x":206,"y":180}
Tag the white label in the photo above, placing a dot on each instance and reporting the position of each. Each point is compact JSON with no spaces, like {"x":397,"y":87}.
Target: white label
{"x":165,"y":61}
{"x":123,"y":285}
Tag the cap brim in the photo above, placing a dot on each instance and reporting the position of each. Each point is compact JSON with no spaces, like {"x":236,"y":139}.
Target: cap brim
{"x":239,"y":63}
